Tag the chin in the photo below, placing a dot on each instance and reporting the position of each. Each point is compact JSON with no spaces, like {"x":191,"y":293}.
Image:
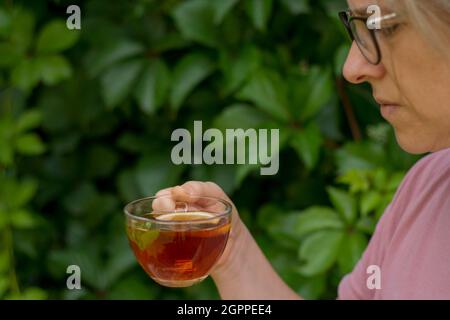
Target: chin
{"x":412,"y":144}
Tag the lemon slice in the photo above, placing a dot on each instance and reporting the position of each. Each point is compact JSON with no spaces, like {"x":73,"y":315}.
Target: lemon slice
{"x":187,"y":216}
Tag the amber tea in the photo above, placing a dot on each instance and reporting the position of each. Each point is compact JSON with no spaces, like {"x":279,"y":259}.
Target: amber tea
{"x":178,"y":249}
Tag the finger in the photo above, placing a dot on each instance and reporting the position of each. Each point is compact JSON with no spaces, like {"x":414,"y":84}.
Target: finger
{"x":164,"y":192}
{"x":163,"y":204}
{"x":184,"y":194}
{"x":192,"y":190}
{"x":200,"y":188}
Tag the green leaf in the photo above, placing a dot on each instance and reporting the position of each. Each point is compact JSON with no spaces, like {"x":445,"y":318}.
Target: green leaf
{"x":352,"y":248}
{"x":99,"y":60}
{"x":356,"y":179}
{"x":127,"y":185}
{"x":319,"y":251}
{"x":195,"y":19}
{"x":26,"y":74}
{"x":54,"y":68}
{"x":267,"y":91}
{"x":121,"y":259}
{"x":4,"y":285}
{"x":243,"y":171}
{"x":4,"y":261}
{"x":29,"y":144}
{"x":7,"y":132}
{"x":387,"y":198}
{"x":221,"y":9}
{"x":56,"y":37}
{"x":259,"y":12}
{"x":395,"y":180}
{"x":311,"y":288}
{"x":363,"y":156}
{"x":366,"y":225}
{"x":188,"y":73}
{"x":156,"y":172}
{"x":117,"y":82}
{"x":282,"y":228}
{"x":34,"y":294}
{"x":132,"y":288}
{"x":380,"y":178}
{"x":31,"y":119}
{"x":10,"y":55}
{"x":22,"y":29}
{"x":78,"y":201}
{"x":4,"y":220}
{"x":6,"y":154}
{"x":369,"y":202}
{"x":153,"y":86}
{"x":22,"y":219}
{"x":379,"y":133}
{"x":88,"y":259}
{"x":268,"y":214}
{"x":296,"y":6}
{"x":100,"y":161}
{"x":142,"y":237}
{"x":307,"y":143}
{"x":238,"y":67}
{"x":240,"y":115}
{"x":322,"y":90}
{"x":344,"y":203}
{"x":172,"y":41}
{"x":340,"y":58}
{"x":317,"y":218}
{"x":5,"y":22}
{"x":22,"y":193}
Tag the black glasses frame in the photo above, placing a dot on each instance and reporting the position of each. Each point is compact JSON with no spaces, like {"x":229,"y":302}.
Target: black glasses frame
{"x":346,"y":18}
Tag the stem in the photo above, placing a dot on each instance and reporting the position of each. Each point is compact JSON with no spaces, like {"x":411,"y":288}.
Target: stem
{"x":12,"y":270}
{"x":351,"y":118}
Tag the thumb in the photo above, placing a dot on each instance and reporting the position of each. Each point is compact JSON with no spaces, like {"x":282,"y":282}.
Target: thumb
{"x":190,"y":192}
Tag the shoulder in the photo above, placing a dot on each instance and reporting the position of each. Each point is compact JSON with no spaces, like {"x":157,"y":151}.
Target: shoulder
{"x":423,"y":194}
{"x":425,"y":186}
{"x":431,"y":172}
{"x":433,"y":163}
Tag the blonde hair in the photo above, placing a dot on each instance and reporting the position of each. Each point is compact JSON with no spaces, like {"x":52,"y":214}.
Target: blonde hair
{"x":430,"y":17}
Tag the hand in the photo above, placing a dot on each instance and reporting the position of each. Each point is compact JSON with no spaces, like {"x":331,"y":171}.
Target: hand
{"x":243,"y":272}
{"x":189,"y":192}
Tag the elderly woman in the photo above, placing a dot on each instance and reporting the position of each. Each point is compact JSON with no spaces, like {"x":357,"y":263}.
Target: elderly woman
{"x":406,"y":61}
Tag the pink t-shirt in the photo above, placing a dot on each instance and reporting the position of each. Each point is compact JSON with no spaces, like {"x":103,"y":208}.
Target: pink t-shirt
{"x":411,"y":243}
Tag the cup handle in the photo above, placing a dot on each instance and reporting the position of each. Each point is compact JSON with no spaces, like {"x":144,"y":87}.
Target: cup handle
{"x":183,"y":204}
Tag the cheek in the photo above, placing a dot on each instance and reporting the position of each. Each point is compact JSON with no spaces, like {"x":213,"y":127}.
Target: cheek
{"x":423,"y":125}
{"x":423,"y":119}
{"x":424,"y":88}
{"x":421,"y":78}
{"x":421,"y":75}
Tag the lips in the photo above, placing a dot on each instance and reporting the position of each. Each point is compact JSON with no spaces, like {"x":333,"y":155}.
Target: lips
{"x":388,"y":108}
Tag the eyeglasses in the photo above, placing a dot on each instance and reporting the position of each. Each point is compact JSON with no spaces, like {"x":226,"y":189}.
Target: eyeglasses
{"x":365,"y":37}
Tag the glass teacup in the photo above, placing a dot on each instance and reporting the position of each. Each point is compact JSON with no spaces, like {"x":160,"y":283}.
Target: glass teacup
{"x":179,"y":246}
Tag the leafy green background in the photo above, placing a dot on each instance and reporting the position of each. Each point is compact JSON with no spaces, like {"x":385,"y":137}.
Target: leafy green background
{"x":86,"y":118}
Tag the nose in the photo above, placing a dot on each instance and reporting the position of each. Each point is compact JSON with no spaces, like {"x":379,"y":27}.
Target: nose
{"x":358,"y":70}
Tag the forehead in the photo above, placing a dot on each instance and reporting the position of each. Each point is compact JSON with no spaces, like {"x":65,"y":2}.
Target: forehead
{"x":360,"y":6}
